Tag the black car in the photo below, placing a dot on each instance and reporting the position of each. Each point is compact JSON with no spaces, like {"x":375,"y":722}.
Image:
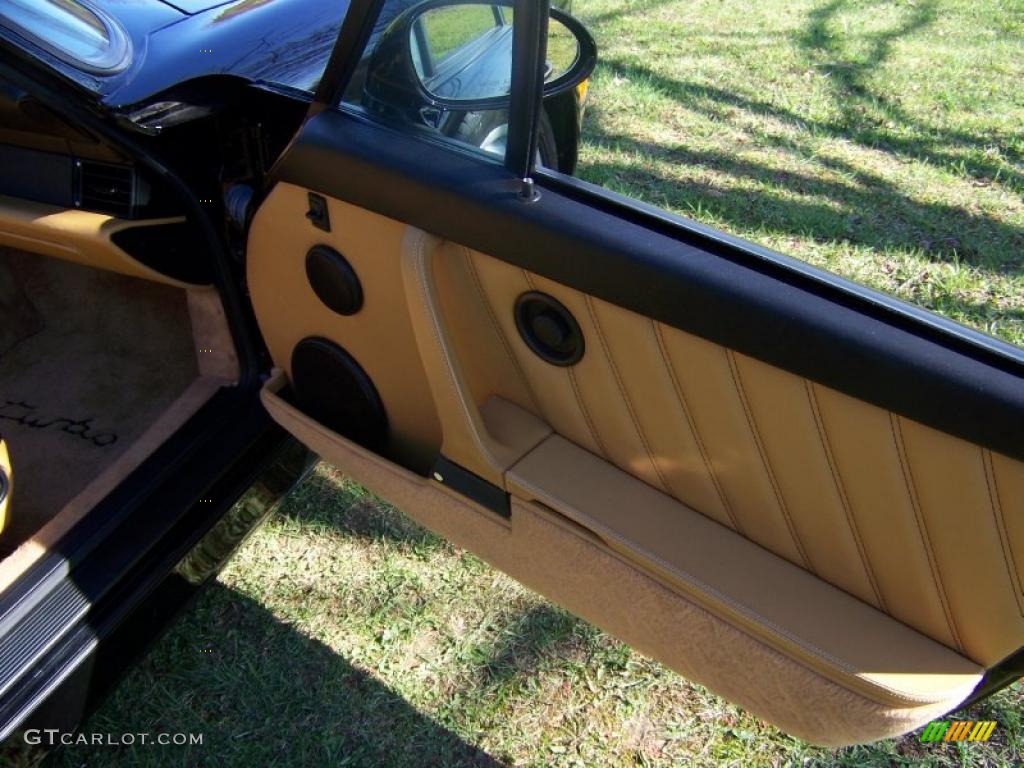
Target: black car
{"x":237,"y":232}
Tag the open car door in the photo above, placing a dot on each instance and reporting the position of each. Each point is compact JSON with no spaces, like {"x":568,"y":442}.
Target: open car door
{"x":804,"y":495}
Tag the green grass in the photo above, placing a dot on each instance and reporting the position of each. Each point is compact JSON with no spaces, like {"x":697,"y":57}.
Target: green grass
{"x":883,"y":141}
{"x":344,"y":634}
{"x":880,"y":140}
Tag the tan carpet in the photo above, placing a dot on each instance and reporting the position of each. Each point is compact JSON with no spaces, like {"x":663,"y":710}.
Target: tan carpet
{"x":91,"y":361}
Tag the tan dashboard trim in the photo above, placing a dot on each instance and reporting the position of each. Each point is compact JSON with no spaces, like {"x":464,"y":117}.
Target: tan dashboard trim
{"x":83,"y":237}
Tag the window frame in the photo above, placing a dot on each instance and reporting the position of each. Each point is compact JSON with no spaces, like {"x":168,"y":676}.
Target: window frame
{"x":529,"y":43}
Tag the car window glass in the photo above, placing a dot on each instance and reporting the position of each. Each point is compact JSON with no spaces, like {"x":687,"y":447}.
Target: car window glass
{"x":451,"y":28}
{"x":881,"y":141}
{"x":561,"y":52}
{"x":419,"y":54}
{"x":463,"y":52}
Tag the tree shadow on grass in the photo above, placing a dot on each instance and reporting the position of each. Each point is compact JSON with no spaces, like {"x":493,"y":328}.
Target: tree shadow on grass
{"x":865,"y":110}
{"x":262,"y":693}
{"x":627,"y":8}
{"x":930,"y":145}
{"x":866,"y":117}
{"x":850,"y":76}
{"x":865,"y":209}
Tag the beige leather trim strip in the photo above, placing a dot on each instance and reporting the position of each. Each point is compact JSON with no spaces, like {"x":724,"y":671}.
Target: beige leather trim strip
{"x":837,"y":478}
{"x":684,"y":407}
{"x":795,"y":612}
{"x":995,"y":499}
{"x":737,"y":380}
{"x":922,"y":526}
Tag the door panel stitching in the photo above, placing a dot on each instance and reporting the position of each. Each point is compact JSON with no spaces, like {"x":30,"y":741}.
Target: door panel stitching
{"x":584,"y":411}
{"x":1009,"y":560}
{"x":851,"y":517}
{"x":475,"y":277}
{"x":922,"y":526}
{"x":688,"y":416}
{"x":752,"y":424}
{"x":625,"y":395}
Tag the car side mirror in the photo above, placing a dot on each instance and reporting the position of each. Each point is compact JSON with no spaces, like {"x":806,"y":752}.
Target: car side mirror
{"x":457,"y":54}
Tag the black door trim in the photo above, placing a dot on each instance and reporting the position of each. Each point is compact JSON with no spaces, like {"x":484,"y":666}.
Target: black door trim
{"x":790,"y":315}
{"x":529,"y":46}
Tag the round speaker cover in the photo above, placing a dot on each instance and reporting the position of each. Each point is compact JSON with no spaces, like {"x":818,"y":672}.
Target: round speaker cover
{"x":333,"y":280}
{"x":549,"y":329}
{"x":331,"y":387}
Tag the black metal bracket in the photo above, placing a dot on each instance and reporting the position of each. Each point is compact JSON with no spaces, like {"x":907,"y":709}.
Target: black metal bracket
{"x":529,"y":54}
{"x":472,"y":486}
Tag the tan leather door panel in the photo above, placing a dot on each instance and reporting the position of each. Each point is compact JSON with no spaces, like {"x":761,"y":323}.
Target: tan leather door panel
{"x":380,"y":336}
{"x":705,"y":506}
{"x":903,"y":517}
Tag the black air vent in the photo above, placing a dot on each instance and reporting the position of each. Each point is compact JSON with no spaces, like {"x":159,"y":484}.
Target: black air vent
{"x":105,"y":188}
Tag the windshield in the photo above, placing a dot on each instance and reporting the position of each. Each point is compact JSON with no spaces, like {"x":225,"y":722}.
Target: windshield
{"x":73,"y":30}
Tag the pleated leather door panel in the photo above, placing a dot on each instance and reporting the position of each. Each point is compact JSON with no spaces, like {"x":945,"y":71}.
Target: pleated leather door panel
{"x":918,"y":524}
